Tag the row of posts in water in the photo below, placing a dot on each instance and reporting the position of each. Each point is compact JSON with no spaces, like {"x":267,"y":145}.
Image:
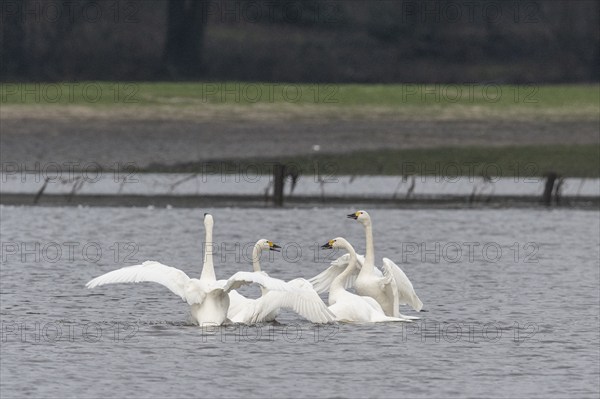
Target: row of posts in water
{"x":280,"y":175}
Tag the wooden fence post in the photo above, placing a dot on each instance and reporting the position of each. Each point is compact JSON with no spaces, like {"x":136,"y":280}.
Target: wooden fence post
{"x":548,"y":189}
{"x":278,"y":178}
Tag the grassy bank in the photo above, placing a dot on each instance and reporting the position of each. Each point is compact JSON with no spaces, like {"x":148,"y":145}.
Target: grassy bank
{"x":521,"y":162}
{"x":466,"y":99}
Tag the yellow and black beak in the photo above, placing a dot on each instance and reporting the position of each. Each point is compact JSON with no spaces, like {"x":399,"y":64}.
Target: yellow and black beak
{"x":353,"y":216}
{"x":327,"y":246}
{"x":274,"y":247}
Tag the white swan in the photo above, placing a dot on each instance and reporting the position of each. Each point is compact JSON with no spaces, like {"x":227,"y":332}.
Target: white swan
{"x":348,"y":307}
{"x":297,"y":295}
{"x":239,"y":303}
{"x":368,"y":282}
{"x":208,"y":299}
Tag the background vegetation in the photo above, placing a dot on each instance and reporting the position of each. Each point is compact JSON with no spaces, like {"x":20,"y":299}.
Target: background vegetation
{"x":521,"y":41}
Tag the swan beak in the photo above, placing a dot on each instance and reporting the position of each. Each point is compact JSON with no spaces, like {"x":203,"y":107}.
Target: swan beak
{"x":327,"y":246}
{"x":274,"y":247}
{"x":352,"y":216}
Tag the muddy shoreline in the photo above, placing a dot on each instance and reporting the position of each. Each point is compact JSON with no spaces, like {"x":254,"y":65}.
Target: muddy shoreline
{"x":147,"y":142}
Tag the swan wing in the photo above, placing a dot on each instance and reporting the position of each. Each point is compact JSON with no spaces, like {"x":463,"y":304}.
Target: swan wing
{"x":172,"y":278}
{"x":304,"y":301}
{"x":300,"y":284}
{"x":237,"y":304}
{"x":243,"y":278}
{"x":406,"y":292}
{"x":390,"y":286}
{"x":196,"y":291}
{"x":237,"y":301}
{"x":322,"y":281}
{"x":372,"y":303}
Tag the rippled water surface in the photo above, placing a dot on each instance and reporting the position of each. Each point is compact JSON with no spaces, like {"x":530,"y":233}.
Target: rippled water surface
{"x":512,"y":299}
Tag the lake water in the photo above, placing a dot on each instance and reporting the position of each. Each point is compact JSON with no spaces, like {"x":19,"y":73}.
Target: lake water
{"x":102,"y":182}
{"x":512,"y":298}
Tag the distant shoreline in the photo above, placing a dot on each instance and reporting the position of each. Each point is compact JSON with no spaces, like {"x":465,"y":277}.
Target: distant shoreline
{"x":442,"y":202}
{"x":526,"y":130}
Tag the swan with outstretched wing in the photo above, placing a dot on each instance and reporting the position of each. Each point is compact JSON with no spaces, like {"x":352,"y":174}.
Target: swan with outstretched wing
{"x":207,"y":297}
{"x":209,"y":300}
{"x":297,"y":295}
{"x":349,"y":307}
{"x":367,"y":279}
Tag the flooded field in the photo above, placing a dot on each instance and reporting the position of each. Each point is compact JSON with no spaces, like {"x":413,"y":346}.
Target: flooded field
{"x":512,"y":297}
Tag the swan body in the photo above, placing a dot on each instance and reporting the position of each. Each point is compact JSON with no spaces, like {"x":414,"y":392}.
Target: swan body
{"x":389,"y":288}
{"x":378,"y":288}
{"x":348,"y":307}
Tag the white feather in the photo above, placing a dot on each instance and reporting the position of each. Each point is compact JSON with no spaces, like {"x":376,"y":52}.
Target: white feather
{"x":149,"y":271}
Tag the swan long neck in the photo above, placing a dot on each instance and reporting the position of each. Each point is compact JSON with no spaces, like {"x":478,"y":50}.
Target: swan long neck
{"x":255,"y":257}
{"x":338,"y":284}
{"x":370,"y":251}
{"x":208,"y":270}
{"x":256,"y":251}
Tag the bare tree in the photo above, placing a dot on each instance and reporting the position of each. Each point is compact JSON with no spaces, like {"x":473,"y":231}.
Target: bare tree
{"x":186,"y":21}
{"x":12,"y":55}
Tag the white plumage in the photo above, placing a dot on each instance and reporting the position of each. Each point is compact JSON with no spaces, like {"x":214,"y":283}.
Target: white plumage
{"x":210,"y":300}
{"x":297,"y":295}
{"x":348,"y":307}
{"x":372,"y":282}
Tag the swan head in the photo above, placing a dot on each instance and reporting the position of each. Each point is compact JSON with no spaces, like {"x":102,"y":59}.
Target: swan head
{"x":361,"y":216}
{"x":208,"y":220}
{"x":338,"y":242}
{"x":268,"y":245}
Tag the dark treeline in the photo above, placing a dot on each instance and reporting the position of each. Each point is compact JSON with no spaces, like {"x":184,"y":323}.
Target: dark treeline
{"x":516,"y":41}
